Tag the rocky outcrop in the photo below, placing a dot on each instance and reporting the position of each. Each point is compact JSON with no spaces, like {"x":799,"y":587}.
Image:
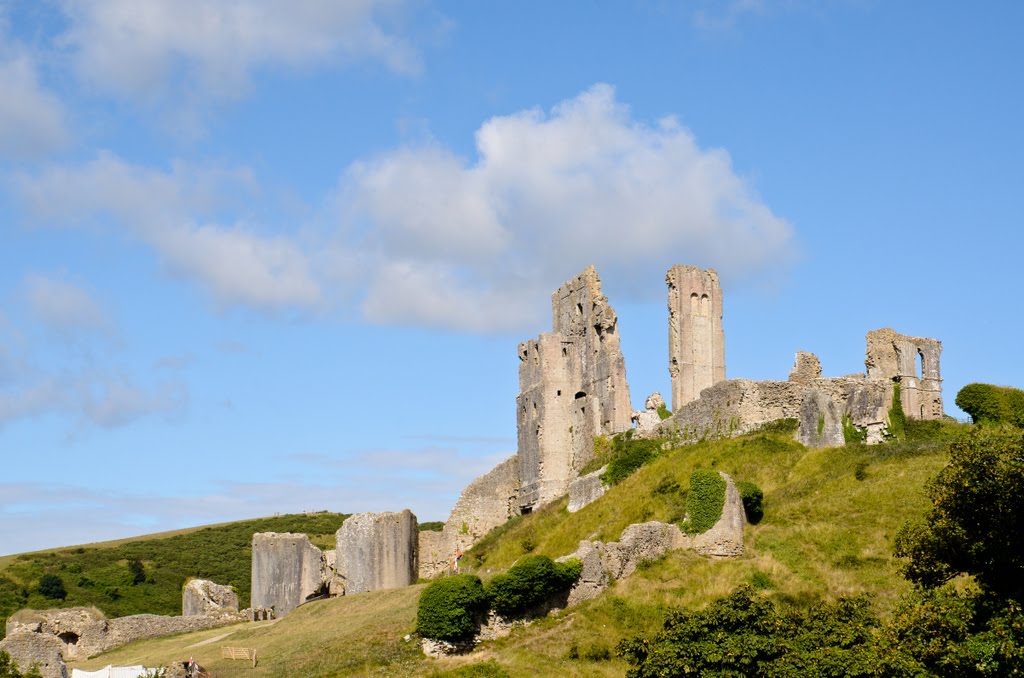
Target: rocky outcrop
{"x":42,"y":651}
{"x":586,"y":490}
{"x":286,"y":571}
{"x":202,"y":597}
{"x":378,"y":551}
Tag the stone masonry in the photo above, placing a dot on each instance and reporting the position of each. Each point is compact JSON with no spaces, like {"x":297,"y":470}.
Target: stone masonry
{"x":572,"y":387}
{"x":286,"y":571}
{"x":204,"y":597}
{"x":912,"y":361}
{"x":696,"y":340}
{"x":378,"y":551}
{"x":486,"y":503}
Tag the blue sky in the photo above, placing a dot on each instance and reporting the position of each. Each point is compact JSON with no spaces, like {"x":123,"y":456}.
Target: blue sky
{"x":259,"y":258}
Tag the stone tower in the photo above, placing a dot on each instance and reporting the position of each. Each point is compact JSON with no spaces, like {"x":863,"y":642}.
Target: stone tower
{"x":914,"y":363}
{"x":572,"y":387}
{"x":696,"y":341}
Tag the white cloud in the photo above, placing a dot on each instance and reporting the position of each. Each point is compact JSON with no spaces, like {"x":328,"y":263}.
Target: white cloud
{"x":141,"y":49}
{"x":473,"y":244}
{"x":424,"y":237}
{"x":32,"y":120}
{"x":63,"y":306}
{"x":107,"y":400}
{"x":234,"y":264}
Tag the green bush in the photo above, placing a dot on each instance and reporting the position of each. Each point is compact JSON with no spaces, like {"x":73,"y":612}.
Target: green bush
{"x":704,"y":501}
{"x":992,"y":404}
{"x":449,"y":608}
{"x":51,"y":586}
{"x":627,"y":456}
{"x":753,"y":501}
{"x":663,"y":412}
{"x":530,"y":582}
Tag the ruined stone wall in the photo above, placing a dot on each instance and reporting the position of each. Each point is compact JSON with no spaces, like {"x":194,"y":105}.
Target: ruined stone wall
{"x":734,"y":407}
{"x":378,"y":551}
{"x":696,"y":340}
{"x":43,"y":651}
{"x":204,"y":597}
{"x":572,"y":387}
{"x":82,"y":632}
{"x":738,"y":406}
{"x":286,"y":570}
{"x":486,"y":503}
{"x":914,"y":362}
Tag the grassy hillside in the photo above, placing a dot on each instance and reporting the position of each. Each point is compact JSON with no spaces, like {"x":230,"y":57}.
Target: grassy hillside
{"x":830,"y":516}
{"x":102,"y":575}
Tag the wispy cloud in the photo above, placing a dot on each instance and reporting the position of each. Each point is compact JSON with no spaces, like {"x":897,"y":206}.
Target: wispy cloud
{"x":63,"y":306}
{"x":182,"y":57}
{"x":32,"y":119}
{"x":165,"y":209}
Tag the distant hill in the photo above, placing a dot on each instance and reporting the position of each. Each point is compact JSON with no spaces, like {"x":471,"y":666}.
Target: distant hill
{"x":830,"y":516}
{"x":146,"y":574}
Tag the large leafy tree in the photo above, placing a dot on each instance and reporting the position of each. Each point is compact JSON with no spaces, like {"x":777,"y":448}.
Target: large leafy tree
{"x":976,"y":522}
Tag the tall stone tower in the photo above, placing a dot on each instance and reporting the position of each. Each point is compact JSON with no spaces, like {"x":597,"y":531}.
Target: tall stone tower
{"x":572,"y":387}
{"x":696,"y":341}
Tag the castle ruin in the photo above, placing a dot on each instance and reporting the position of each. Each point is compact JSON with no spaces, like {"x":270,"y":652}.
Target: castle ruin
{"x":696,"y":340}
{"x":572,"y":387}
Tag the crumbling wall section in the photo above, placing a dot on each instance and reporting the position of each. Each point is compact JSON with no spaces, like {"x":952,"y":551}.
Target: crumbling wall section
{"x":696,"y":340}
{"x":914,"y":362}
{"x":40,"y":650}
{"x":286,"y":570}
{"x":486,"y":503}
{"x":378,"y":551}
{"x":204,"y":597}
{"x":572,"y":387}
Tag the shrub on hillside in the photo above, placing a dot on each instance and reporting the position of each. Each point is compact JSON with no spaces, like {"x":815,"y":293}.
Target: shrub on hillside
{"x":753,"y":501}
{"x":530,"y":582}
{"x":449,"y":608}
{"x":627,"y":456}
{"x":704,"y":501}
{"x":51,"y":586}
{"x":974,"y":525}
{"x":993,"y":404}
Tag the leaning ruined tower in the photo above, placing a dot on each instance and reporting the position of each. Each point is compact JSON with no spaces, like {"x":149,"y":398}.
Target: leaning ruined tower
{"x":696,"y":341}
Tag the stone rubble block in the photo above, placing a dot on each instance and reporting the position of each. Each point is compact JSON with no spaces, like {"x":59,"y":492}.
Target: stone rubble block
{"x":586,"y":490}
{"x":378,"y":551}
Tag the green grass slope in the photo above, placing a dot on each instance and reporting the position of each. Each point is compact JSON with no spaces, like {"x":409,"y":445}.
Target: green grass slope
{"x":830,"y":516}
{"x":99,"y":574}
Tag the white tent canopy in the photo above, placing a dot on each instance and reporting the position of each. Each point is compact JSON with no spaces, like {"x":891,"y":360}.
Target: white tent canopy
{"x":114,"y":672}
